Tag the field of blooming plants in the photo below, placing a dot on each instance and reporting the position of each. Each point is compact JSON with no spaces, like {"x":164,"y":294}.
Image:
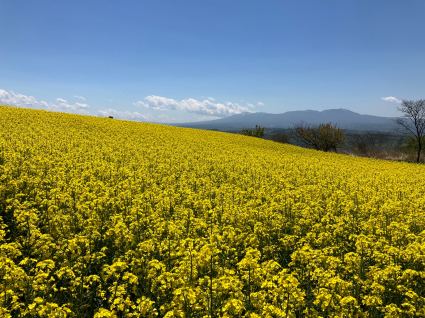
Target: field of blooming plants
{"x":108,"y":218}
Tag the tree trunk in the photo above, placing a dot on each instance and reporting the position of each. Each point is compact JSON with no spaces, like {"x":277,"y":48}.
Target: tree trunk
{"x":419,"y":151}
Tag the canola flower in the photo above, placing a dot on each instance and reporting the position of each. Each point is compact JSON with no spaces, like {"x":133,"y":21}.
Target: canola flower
{"x":110,"y":218}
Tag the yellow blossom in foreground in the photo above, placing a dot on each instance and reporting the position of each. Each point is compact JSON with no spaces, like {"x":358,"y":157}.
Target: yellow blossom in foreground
{"x":110,"y":218}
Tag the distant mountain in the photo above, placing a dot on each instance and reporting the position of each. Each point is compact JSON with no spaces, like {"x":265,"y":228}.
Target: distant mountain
{"x":345,"y":118}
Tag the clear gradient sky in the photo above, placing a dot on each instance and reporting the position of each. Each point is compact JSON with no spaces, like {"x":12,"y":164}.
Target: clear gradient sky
{"x":183,"y":61}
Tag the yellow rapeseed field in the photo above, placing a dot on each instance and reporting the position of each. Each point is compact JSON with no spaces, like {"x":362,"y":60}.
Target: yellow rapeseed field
{"x":108,"y":218}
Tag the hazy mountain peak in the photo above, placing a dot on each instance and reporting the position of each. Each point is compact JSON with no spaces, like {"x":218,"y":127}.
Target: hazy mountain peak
{"x":345,"y":118}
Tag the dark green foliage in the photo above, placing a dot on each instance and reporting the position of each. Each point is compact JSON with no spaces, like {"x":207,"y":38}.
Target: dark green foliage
{"x":258,"y":132}
{"x":323,"y":137}
{"x":281,"y":137}
{"x":411,"y":144}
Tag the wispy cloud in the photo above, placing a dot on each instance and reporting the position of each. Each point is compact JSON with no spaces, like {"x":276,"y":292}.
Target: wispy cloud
{"x":61,"y":105}
{"x":125,"y":115}
{"x":206,"y":109}
{"x":190,"y":105}
{"x":80,"y":97}
{"x":205,"y":118}
{"x":133,"y":116}
{"x":260,"y":104}
{"x":391,"y":99}
{"x":162,"y":116}
{"x":12,"y":99}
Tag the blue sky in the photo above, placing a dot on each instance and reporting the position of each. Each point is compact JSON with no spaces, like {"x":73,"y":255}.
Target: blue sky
{"x":183,"y":61}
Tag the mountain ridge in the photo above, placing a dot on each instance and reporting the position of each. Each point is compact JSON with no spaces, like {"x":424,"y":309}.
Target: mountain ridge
{"x":345,"y":118}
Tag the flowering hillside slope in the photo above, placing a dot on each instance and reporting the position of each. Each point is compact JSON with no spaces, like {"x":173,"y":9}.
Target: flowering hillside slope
{"x":109,"y":218}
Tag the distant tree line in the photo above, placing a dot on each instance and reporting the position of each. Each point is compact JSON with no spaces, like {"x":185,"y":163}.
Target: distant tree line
{"x":257,"y":132}
{"x":323,"y":137}
{"x":281,"y":138}
{"x":329,"y":137}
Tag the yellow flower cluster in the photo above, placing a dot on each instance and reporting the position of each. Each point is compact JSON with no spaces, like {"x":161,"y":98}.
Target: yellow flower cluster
{"x":108,"y":218}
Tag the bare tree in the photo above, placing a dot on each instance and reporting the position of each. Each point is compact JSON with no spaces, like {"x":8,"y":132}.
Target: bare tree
{"x":323,"y":137}
{"x":413,"y":120}
{"x":280,"y":137}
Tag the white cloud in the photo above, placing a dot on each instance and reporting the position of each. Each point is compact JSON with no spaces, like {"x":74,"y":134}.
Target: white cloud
{"x":124,"y":115}
{"x":205,"y":118}
{"x":80,"y":97}
{"x":19,"y":100}
{"x":12,"y":99}
{"x":163,"y":116}
{"x":391,"y":99}
{"x":207,"y":109}
{"x":158,"y":103}
{"x":260,"y":104}
{"x":133,"y":116}
{"x":190,"y":105}
{"x":210,"y":98}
